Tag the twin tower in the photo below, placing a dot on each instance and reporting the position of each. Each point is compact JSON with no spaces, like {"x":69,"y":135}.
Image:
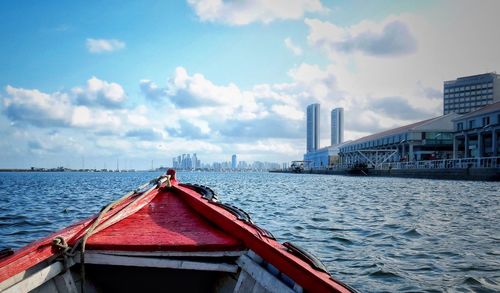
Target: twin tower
{"x":313,"y":118}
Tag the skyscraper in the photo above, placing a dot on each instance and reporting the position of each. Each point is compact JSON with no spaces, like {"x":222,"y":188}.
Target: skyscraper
{"x":313,"y":127}
{"x":234,"y":162}
{"x":337,"y":126}
{"x":469,"y":93}
{"x":195,"y":162}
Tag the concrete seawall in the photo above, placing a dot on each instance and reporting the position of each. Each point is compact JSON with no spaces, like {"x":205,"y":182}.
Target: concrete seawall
{"x":478,"y":174}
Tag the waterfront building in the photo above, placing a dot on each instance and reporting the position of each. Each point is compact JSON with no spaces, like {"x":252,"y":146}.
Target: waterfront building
{"x":337,"y":126}
{"x":324,"y":157}
{"x":424,"y":140}
{"x":234,"y":162}
{"x":466,"y":94}
{"x":476,"y":133}
{"x":313,"y":112}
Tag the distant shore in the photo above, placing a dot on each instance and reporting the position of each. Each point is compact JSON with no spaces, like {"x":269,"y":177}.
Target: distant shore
{"x":163,"y":169}
{"x":60,"y":169}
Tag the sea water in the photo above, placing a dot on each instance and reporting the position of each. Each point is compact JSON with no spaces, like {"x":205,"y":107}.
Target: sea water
{"x":376,"y":234}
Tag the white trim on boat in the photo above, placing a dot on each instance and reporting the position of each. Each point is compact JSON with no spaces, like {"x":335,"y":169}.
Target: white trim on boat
{"x":252,"y":275}
{"x":171,"y":253}
{"x":118,"y":260}
{"x":36,"y":279}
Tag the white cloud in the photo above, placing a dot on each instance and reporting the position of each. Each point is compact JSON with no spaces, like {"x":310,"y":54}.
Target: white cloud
{"x":389,"y":38}
{"x":296,"y":50}
{"x":97,"y":46}
{"x":100,"y":92}
{"x":80,"y":107}
{"x":38,"y":108}
{"x":185,"y":92}
{"x":288,"y":112}
{"x":246,"y":11}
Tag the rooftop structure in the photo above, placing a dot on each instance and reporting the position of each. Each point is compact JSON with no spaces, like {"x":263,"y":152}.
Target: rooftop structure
{"x":313,"y":112}
{"x":427,"y":139}
{"x":469,"y":93}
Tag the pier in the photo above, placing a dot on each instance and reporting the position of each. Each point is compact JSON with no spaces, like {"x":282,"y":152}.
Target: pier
{"x":482,"y":169}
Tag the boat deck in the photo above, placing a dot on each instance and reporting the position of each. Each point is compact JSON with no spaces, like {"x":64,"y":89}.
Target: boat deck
{"x":167,"y":223}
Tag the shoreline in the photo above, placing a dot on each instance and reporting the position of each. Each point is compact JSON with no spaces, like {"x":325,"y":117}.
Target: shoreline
{"x":472,"y":174}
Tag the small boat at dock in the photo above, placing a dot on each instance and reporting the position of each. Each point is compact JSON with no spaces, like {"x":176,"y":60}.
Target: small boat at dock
{"x":165,"y":236}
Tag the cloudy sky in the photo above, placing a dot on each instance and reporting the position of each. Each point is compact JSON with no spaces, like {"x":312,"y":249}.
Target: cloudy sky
{"x":102,"y":81}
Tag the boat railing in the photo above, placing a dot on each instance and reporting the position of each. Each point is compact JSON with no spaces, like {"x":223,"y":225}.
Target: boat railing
{"x":482,"y":162}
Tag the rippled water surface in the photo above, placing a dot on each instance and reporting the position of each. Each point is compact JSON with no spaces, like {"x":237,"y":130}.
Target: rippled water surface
{"x":377,"y":234}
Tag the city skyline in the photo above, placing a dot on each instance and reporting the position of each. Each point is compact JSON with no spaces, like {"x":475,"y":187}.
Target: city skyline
{"x":217,"y":78}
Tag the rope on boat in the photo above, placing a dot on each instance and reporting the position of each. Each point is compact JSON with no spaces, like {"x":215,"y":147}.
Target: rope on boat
{"x":64,"y":249}
{"x":61,"y":244}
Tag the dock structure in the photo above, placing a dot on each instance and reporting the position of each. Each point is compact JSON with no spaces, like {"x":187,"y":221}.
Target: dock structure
{"x":423,"y":140}
{"x":483,"y":169}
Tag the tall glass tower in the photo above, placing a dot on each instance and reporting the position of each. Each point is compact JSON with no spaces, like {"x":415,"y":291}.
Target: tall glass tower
{"x":337,"y":126}
{"x":313,"y":127}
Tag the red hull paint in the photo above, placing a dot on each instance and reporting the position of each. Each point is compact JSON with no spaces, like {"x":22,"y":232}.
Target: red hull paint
{"x":176,"y":219}
{"x":167,"y":223}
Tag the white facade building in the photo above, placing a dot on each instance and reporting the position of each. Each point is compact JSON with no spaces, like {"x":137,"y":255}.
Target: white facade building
{"x":470,"y":93}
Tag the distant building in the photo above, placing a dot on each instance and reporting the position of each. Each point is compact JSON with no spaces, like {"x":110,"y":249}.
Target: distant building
{"x":313,"y":112}
{"x":324,"y":157}
{"x":234,"y":162}
{"x":466,"y":94}
{"x":476,"y":133}
{"x":337,"y":126}
{"x":196,"y":163}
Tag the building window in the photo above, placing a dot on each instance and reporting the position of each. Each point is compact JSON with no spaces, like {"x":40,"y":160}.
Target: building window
{"x":460,"y":126}
{"x":472,"y":124}
{"x":486,"y":121}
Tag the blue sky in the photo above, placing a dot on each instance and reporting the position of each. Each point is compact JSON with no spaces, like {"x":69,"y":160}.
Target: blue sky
{"x":147,"y":80}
